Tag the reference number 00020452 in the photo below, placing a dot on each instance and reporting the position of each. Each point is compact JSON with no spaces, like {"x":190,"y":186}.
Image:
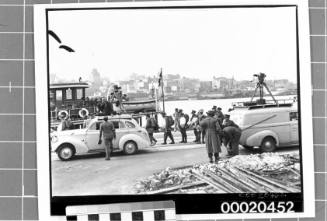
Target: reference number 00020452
{"x":257,"y":207}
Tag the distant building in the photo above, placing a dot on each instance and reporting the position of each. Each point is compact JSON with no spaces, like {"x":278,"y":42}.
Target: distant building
{"x":205,"y":86}
{"x":222,"y":83}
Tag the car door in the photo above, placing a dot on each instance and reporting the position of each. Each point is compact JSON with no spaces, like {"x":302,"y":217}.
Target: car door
{"x":120,"y":131}
{"x":294,"y":127}
{"x":92,"y":137}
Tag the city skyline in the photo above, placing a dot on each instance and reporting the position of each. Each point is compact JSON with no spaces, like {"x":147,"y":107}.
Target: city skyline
{"x":195,"y":43}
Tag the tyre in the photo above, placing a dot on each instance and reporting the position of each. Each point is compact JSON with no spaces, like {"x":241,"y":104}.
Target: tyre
{"x":268,"y":144}
{"x":66,"y":152}
{"x":130,"y":147}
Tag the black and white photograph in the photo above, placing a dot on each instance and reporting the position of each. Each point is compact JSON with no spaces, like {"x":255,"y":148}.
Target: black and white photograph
{"x":176,"y":100}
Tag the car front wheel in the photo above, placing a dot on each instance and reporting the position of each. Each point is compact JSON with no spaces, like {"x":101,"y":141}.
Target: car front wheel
{"x":130,"y":147}
{"x":268,"y":144}
{"x":66,"y":152}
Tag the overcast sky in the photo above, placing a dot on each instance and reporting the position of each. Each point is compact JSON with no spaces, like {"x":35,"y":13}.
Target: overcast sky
{"x":197,"y":43}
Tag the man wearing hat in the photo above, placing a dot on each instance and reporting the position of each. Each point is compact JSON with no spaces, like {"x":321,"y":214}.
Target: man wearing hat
{"x":168,"y":122}
{"x":212,"y":140}
{"x":232,"y":135}
{"x":201,"y":117}
{"x":219,"y":115}
{"x":195,"y":125}
{"x":66,"y":123}
{"x":182,"y":124}
{"x":107,"y":128}
{"x":151,"y":125}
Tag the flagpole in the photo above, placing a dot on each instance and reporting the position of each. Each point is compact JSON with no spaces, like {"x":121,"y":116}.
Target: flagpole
{"x":162,"y":90}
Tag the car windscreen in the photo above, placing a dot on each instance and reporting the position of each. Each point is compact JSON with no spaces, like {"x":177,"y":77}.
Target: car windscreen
{"x":129,"y":124}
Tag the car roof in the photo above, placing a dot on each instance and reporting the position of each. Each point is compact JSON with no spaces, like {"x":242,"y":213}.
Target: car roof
{"x":264,"y":110}
{"x":115,"y":117}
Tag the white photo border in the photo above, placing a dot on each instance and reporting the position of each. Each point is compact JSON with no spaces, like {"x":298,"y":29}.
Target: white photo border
{"x":41,"y":81}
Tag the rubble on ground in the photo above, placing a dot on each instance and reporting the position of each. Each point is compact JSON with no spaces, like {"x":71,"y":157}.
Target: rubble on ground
{"x":266,"y":172}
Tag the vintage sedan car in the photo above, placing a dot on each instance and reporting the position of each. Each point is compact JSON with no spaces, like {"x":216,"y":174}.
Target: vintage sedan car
{"x":129,"y":138}
{"x":267,"y":127}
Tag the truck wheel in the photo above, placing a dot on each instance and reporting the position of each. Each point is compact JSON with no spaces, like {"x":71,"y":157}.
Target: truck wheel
{"x":130,"y":147}
{"x":66,"y":152}
{"x":268,"y":144}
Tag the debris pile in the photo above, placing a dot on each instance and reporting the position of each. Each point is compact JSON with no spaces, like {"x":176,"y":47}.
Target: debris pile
{"x":257,"y":173}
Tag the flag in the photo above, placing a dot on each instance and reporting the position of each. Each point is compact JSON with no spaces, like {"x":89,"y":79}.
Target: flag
{"x":160,"y":81}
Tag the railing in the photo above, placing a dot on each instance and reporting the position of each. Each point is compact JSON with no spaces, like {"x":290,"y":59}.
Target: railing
{"x":281,"y":102}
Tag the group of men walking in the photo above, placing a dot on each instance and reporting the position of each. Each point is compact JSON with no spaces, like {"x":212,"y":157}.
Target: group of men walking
{"x":211,"y":129}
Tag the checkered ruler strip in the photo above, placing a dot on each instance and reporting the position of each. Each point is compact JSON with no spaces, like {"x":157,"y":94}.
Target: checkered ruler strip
{"x":145,"y":211}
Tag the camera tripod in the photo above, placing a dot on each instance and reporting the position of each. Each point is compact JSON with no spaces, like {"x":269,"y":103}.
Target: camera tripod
{"x":260,"y":85}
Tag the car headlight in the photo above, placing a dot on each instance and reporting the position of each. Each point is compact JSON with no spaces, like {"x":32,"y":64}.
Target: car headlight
{"x":54,"y":139}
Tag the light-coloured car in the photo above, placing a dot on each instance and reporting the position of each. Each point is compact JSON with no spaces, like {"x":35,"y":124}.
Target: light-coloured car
{"x":129,"y":138}
{"x":267,"y":127}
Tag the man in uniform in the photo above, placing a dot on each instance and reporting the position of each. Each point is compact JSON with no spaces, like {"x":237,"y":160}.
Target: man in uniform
{"x":151,"y":125}
{"x":108,"y":108}
{"x":201,"y":117}
{"x":220,"y":116}
{"x":107,"y":128}
{"x":195,"y":125}
{"x":167,"y":128}
{"x":182,"y":124}
{"x":232,"y":135}
{"x":213,"y":143}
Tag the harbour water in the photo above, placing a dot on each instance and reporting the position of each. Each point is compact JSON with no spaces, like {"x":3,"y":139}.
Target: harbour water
{"x":225,"y":104}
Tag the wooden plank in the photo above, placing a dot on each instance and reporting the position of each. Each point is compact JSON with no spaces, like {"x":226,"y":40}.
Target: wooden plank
{"x":236,"y":179}
{"x":296,"y":172}
{"x":258,"y":187}
{"x":216,"y":185}
{"x":223,"y":182}
{"x":270,"y":182}
{"x":261,"y":183}
{"x":173,"y":188}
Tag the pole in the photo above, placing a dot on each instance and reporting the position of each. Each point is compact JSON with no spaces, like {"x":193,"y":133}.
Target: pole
{"x":162,"y":90}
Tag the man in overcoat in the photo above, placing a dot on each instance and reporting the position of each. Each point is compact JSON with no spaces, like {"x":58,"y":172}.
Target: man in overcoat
{"x":212,"y":140}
